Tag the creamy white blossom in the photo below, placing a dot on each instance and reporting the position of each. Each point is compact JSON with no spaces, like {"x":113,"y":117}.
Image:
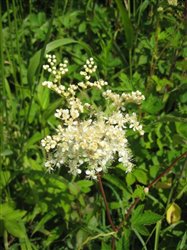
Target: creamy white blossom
{"x":89,"y":142}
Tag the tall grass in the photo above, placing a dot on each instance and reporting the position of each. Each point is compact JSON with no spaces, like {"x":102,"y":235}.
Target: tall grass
{"x":135,"y":48}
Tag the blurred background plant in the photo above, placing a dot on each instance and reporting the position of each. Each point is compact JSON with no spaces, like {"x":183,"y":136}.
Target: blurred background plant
{"x":137,"y":45}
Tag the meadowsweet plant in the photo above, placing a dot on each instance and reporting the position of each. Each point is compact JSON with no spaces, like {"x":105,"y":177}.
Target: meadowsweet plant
{"x":88,"y":141}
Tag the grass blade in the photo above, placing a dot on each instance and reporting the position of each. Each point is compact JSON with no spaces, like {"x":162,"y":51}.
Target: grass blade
{"x":127,"y":25}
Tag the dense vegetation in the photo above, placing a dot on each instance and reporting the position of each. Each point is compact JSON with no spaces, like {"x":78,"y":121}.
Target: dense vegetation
{"x":137,"y":45}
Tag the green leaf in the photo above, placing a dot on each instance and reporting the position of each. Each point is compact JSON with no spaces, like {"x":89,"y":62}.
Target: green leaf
{"x":115,"y":181}
{"x":74,"y":188}
{"x":33,"y":66}
{"x":130,"y":179}
{"x":33,"y":111}
{"x":40,"y":225}
{"x":33,"y":140}
{"x":43,"y":95}
{"x":85,"y":185}
{"x":6,"y":152}
{"x":7,"y":212}
{"x":139,"y":192}
{"x":136,"y":213}
{"x":54,"y":235}
{"x":144,"y":218}
{"x":58,"y":184}
{"x":127,"y":25}
{"x":183,"y":242}
{"x":35,"y":60}
{"x":50,"y":109}
{"x":11,"y":220}
{"x":181,"y":129}
{"x":5,"y":178}
{"x":141,"y":176}
{"x":153,"y":104}
{"x":15,"y":228}
{"x":104,"y":246}
{"x":175,"y":117}
{"x":81,"y":237}
{"x":126,"y":84}
{"x":141,"y":229}
{"x":149,"y":218}
{"x":127,"y":238}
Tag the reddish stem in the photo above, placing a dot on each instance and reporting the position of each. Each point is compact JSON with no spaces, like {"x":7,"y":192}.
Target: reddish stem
{"x":149,"y":186}
{"x":105,"y":201}
{"x":107,"y":210}
{"x":133,"y":205}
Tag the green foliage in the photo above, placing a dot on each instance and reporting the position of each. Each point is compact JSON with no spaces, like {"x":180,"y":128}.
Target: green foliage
{"x":140,"y":45}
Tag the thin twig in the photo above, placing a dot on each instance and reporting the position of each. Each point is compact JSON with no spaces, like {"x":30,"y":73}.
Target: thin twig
{"x":105,"y":201}
{"x":148,"y":187}
{"x":167,"y":170}
{"x":107,"y":211}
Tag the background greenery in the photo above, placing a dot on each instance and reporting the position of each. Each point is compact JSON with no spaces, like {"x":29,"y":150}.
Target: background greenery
{"x":138,"y":45}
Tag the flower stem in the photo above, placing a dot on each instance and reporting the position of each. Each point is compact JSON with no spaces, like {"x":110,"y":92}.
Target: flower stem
{"x":105,"y":201}
{"x":107,"y":210}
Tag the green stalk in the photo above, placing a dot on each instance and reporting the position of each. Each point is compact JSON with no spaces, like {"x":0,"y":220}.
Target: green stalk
{"x":5,"y":237}
{"x":157,"y":234}
{"x":129,"y":8}
{"x":20,"y":61}
{"x":130,"y":64}
{"x":17,"y":39}
{"x":11,"y":53}
{"x":140,"y":239}
{"x":2,"y":91}
{"x":134,"y":8}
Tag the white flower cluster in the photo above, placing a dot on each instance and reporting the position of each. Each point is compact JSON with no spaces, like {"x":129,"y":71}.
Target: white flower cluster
{"x":51,"y":67}
{"x":135,"y":96}
{"x":92,"y":143}
{"x":88,"y":144}
{"x":89,"y":68}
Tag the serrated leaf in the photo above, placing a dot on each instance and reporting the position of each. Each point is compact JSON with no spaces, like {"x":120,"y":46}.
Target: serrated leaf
{"x":173,"y":118}
{"x":181,"y":129}
{"x":141,"y":176}
{"x":130,"y":179}
{"x":139,"y":192}
{"x":44,"y":220}
{"x":136,"y":213}
{"x":54,"y":235}
{"x":141,"y":229}
{"x":5,"y":177}
{"x":85,"y":185}
{"x":153,"y":104}
{"x":15,"y":228}
{"x":149,"y":218}
{"x":7,"y":212}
